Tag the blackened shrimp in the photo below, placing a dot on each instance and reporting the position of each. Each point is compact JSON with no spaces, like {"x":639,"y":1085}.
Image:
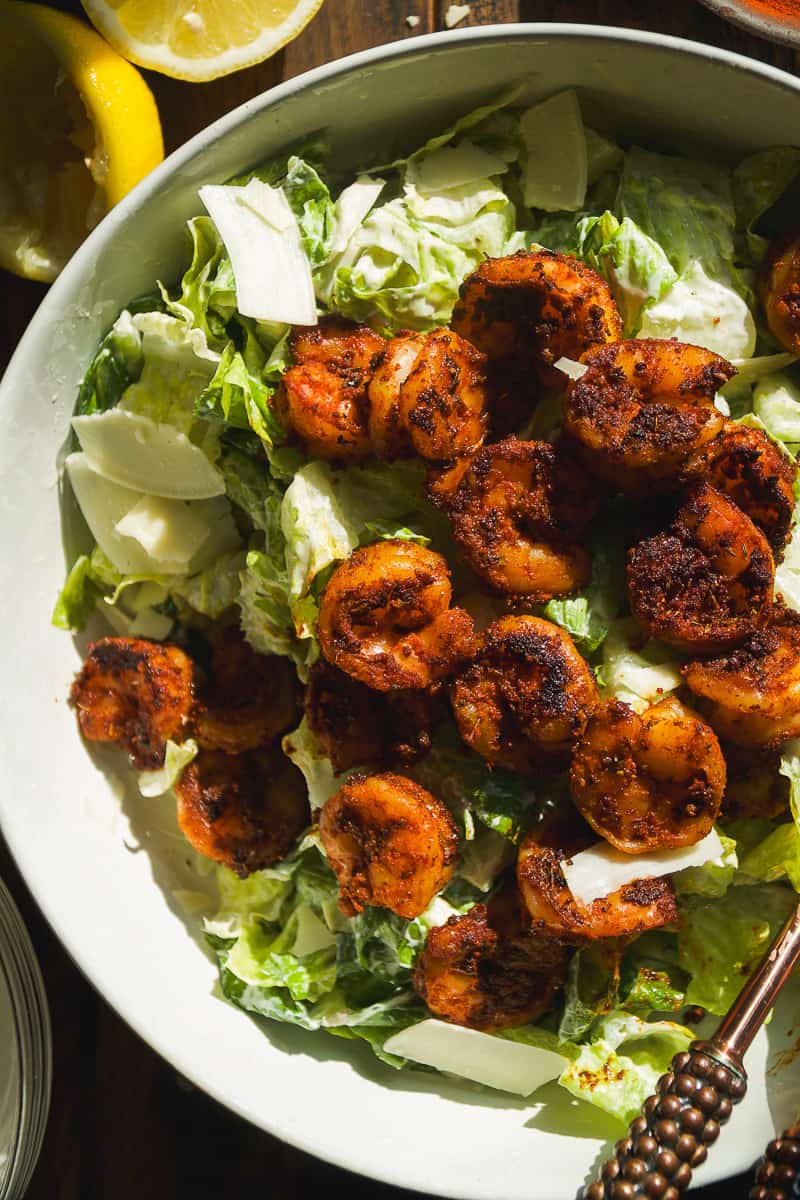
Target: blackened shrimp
{"x":243,"y":810}
{"x":653,"y":781}
{"x":748,"y":467}
{"x":779,"y":290}
{"x":554,"y":910}
{"x":134,"y":692}
{"x":323,"y":397}
{"x":429,"y":397}
{"x":385,"y":617}
{"x":356,"y":727}
{"x":706,"y":584}
{"x":387,"y":428}
{"x":518,"y":516}
{"x":249,"y":698}
{"x":528,"y":310}
{"x":752,"y":694}
{"x":390,"y":843}
{"x":642,"y":406}
{"x":473,"y":971}
{"x":525,"y":697}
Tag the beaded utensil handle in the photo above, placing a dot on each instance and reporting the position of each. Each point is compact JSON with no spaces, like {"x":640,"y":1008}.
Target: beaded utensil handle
{"x":778,"y":1173}
{"x":682,"y":1120}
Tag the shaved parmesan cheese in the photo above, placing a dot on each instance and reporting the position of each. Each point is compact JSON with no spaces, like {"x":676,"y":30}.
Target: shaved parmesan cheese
{"x":556,"y":161}
{"x":569,"y":366}
{"x":261,"y":236}
{"x":493,"y":1061}
{"x":124,"y":523}
{"x":104,"y":504}
{"x":602,"y":869}
{"x":454,"y":166}
{"x":352,"y":207}
{"x":148,"y":456}
{"x":152,"y":523}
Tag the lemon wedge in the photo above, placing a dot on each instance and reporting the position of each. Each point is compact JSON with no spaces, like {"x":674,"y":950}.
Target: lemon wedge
{"x":78,"y":128}
{"x":199,"y":39}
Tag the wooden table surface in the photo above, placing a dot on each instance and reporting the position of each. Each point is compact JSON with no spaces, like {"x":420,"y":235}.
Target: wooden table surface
{"x":122,"y":1124}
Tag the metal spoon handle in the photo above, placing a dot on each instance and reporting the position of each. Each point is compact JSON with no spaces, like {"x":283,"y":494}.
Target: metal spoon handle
{"x":695,"y":1098}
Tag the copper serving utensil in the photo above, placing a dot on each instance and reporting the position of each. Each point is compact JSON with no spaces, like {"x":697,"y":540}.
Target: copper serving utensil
{"x":678,"y":1124}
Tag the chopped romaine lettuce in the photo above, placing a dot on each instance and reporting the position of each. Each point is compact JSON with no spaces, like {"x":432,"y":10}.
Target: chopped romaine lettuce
{"x":619,"y":1067}
{"x":177,"y":756}
{"x":638,"y":672}
{"x":637,"y":269}
{"x":207,"y":297}
{"x":776,"y":402}
{"x":176,"y":365}
{"x":685,"y":205}
{"x":302,"y":748}
{"x":721,"y":939}
{"x":703,"y":311}
{"x":405,"y":262}
{"x":117,"y":364}
{"x":758,"y":181}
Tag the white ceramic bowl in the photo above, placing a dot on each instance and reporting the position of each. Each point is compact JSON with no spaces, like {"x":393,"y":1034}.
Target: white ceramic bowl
{"x":71,"y":828}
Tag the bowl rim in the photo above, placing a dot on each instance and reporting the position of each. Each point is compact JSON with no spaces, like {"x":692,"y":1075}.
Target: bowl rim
{"x":52,"y":304}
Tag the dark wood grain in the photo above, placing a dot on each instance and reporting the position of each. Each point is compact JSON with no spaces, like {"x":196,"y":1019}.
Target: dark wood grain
{"x":122,"y":1124}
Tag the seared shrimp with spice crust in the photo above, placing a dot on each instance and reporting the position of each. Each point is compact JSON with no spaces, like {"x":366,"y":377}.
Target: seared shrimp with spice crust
{"x":354,"y":726}
{"x":385,"y":617}
{"x":390,"y":843}
{"x":706,"y":584}
{"x":134,"y":692}
{"x":653,"y":781}
{"x":525,"y":697}
{"x":428,"y":397}
{"x":779,"y":290}
{"x":554,"y":910}
{"x":243,"y":810}
{"x":752,"y":694}
{"x":519,"y":514}
{"x":529,"y":309}
{"x":641,"y":407}
{"x":249,"y":698}
{"x":323,"y":397}
{"x":477,"y":972}
{"x":748,"y":467}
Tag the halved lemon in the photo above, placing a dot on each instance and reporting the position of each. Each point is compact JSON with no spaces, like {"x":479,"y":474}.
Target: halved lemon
{"x":199,"y":39}
{"x":78,"y":128}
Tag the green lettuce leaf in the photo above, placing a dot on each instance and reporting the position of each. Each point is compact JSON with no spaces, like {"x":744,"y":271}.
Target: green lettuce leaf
{"x":635,"y":266}
{"x":310,"y":200}
{"x":620,"y":1066}
{"x":758,"y":181}
{"x":117,"y":364}
{"x":776,"y":402}
{"x":207,"y":296}
{"x":177,"y":365}
{"x":685,"y":205}
{"x":78,"y":597}
{"x":713,"y":878}
{"x":721,"y":940}
{"x":403,"y":265}
{"x":502,"y":801}
{"x":177,"y":756}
